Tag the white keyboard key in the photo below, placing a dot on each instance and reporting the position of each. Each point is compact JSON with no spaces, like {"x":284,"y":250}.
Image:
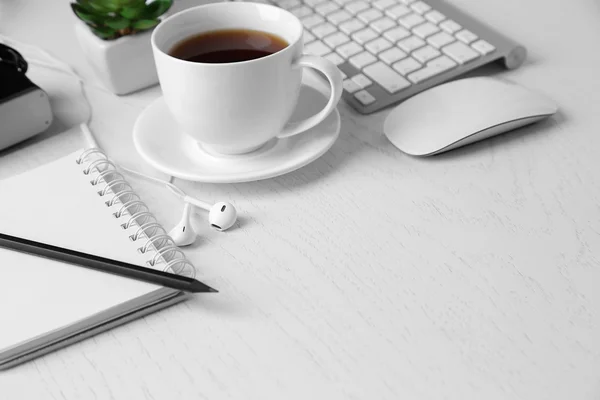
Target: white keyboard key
{"x":442,"y":62}
{"x":334,"y":58}
{"x":392,"y":55}
{"x":411,"y":43}
{"x":287,"y":4}
{"x":357,"y":6}
{"x":386,"y":77}
{"x":426,"y":29}
{"x":364,"y":36}
{"x":369,"y":15}
{"x":308,"y":37}
{"x":466,"y":36}
{"x":311,"y":20}
{"x":316,"y":48}
{"x":362,"y":81}
{"x":396,"y":34}
{"x":483,"y":47}
{"x":351,"y":26}
{"x":435,"y":16}
{"x":420,"y":7}
{"x":301,"y":11}
{"x":383,"y":24}
{"x":326,"y":8}
{"x":411,"y":20}
{"x":362,"y":60}
{"x":440,"y":39}
{"x":425,"y":54}
{"x":350,"y":86}
{"x":435,"y":67}
{"x":398,"y":11}
{"x":407,"y":65}
{"x":378,"y":45}
{"x":364,"y":97}
{"x":338,"y":17}
{"x":460,"y":52}
{"x":336,"y":39}
{"x":407,"y":2}
{"x":450,"y":26}
{"x":423,"y":74}
{"x":349,"y":49}
{"x":323,"y":30}
{"x":383,"y":4}
{"x":342,"y":3}
{"x":313,"y":3}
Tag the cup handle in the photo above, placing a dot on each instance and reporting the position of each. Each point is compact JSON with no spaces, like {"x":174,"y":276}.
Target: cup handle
{"x":334,"y":76}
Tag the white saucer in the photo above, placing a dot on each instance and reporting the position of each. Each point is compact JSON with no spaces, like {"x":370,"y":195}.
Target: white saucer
{"x":160,"y":143}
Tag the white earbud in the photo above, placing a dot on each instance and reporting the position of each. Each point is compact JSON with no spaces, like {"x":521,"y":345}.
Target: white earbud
{"x":221,"y":215}
{"x":183,"y":233}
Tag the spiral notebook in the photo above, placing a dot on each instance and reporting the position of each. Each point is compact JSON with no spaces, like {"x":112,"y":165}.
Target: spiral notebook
{"x":83,"y":203}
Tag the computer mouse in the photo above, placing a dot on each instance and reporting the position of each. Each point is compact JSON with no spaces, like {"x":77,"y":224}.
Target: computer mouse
{"x":461,"y":112}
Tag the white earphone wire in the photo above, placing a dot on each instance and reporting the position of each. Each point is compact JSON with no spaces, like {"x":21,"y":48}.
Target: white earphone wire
{"x":176,"y":190}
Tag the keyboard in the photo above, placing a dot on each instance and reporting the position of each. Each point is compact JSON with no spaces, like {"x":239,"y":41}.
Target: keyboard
{"x":389,"y":50}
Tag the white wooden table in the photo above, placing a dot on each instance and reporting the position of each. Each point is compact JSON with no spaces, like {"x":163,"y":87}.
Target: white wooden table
{"x":367,"y":274}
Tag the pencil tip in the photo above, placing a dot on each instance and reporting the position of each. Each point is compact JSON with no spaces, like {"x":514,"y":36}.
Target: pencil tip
{"x":200,"y":287}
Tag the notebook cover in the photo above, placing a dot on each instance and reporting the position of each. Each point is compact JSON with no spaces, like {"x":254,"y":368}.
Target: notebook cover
{"x":45,"y":304}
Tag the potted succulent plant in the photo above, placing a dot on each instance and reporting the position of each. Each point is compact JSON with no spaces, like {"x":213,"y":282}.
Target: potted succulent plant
{"x":114,"y":35}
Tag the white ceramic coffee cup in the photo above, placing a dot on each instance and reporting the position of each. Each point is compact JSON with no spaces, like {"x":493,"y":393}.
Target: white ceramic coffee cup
{"x":235,"y":108}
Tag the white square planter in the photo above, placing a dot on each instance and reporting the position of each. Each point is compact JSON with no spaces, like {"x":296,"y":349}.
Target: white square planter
{"x":124,"y":65}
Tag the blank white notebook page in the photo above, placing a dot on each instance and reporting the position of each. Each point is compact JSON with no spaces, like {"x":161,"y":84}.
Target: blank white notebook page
{"x":56,"y":204}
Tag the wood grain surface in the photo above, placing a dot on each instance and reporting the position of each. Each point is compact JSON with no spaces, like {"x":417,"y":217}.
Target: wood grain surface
{"x":367,"y":274}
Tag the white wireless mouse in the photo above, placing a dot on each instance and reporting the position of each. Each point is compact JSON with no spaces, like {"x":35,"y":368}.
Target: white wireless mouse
{"x":461,"y":112}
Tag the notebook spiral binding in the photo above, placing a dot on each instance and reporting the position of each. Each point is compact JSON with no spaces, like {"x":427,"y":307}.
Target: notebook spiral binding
{"x":155,"y":239}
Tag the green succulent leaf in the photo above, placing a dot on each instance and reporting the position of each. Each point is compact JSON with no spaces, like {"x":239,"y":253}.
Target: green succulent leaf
{"x":144,"y":24}
{"x":129,"y":3}
{"x":105,"y":5}
{"x":117,"y":23}
{"x":157,"y":8}
{"x":134,"y":12}
{"x":95,"y":6}
{"x":85,"y":15}
{"x":85,"y":5}
{"x":104,"y":32}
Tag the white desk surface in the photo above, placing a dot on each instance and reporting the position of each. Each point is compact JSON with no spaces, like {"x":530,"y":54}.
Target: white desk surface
{"x":367,"y":274}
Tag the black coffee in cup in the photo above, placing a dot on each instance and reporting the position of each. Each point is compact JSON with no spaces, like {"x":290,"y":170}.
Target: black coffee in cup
{"x":228,"y":46}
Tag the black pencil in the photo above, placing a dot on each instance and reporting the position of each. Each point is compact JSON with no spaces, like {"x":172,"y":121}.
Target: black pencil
{"x":104,"y":264}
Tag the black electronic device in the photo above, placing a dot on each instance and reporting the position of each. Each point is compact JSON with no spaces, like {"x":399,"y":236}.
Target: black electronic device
{"x":24,"y":107}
